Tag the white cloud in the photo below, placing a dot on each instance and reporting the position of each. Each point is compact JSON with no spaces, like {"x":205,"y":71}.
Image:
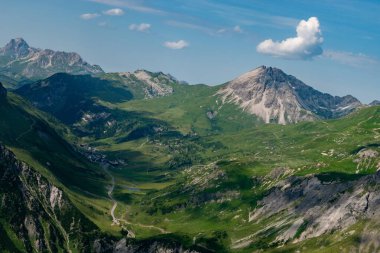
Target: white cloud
{"x":143,"y":27}
{"x":351,"y":59}
{"x":130,"y":5}
{"x":306,"y":45}
{"x":176,"y":44}
{"x":114,"y":12}
{"x":88,"y":16}
{"x":237,"y":29}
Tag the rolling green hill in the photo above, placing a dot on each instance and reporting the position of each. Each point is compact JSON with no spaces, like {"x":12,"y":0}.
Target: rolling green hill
{"x":38,"y":139}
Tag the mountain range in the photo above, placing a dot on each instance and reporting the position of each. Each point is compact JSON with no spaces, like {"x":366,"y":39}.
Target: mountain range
{"x":21,"y":62}
{"x":141,"y":162}
{"x":265,"y":92}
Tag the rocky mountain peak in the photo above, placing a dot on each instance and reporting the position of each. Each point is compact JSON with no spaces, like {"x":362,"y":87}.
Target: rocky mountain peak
{"x":268,"y":76}
{"x":19,"y":61}
{"x":16,"y":48}
{"x":277,"y":97}
{"x":266,"y":93}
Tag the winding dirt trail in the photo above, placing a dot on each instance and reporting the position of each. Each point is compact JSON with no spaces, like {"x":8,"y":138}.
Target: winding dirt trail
{"x":115,"y":221}
{"x":162,"y":231}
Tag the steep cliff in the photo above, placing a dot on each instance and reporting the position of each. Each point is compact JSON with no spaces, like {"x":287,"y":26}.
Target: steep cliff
{"x":35,"y":215}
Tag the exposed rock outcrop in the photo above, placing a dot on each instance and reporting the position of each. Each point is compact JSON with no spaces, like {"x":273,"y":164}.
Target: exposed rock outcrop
{"x":45,"y":220}
{"x":151,"y":84}
{"x":39,"y":212}
{"x":316,"y":205}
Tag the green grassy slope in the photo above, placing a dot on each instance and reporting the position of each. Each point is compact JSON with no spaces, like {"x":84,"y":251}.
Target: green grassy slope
{"x":67,"y":96}
{"x":8,"y":82}
{"x":327,"y":149}
{"x":35,"y":215}
{"x":154,"y":192}
{"x":245,"y":150}
{"x":189,"y":165}
{"x":193,"y":109}
{"x":39,"y":142}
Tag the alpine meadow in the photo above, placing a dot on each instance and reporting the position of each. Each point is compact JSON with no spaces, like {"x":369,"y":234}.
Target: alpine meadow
{"x":271,"y":144}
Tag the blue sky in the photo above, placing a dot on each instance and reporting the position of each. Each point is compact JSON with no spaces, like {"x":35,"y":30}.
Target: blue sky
{"x":212,"y":41}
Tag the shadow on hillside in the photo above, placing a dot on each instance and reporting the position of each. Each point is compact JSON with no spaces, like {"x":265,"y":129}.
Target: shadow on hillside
{"x":371,"y":145}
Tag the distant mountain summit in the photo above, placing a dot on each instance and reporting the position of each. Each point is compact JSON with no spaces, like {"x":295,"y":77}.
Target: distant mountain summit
{"x":16,"y":48}
{"x":276,"y":97}
{"x":20,"y":61}
{"x":146,"y":84}
{"x":375,"y":103}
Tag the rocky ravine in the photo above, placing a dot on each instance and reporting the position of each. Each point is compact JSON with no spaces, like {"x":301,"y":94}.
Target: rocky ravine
{"x":37,"y":212}
{"x":300,"y":208}
{"x":276,"y":97}
{"x":37,"y":216}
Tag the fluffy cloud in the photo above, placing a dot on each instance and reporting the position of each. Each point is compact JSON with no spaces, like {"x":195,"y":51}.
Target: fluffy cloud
{"x":143,"y":27}
{"x":176,"y":44}
{"x":305,"y":45}
{"x":88,"y":16}
{"x":132,"y":5}
{"x":114,"y":12}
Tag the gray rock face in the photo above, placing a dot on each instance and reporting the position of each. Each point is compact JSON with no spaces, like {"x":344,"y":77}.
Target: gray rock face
{"x":37,"y":211}
{"x":20,"y":61}
{"x":152,"y":84}
{"x":45,"y":220}
{"x":321,"y":204}
{"x":274,"y":96}
{"x":16,"y":48}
